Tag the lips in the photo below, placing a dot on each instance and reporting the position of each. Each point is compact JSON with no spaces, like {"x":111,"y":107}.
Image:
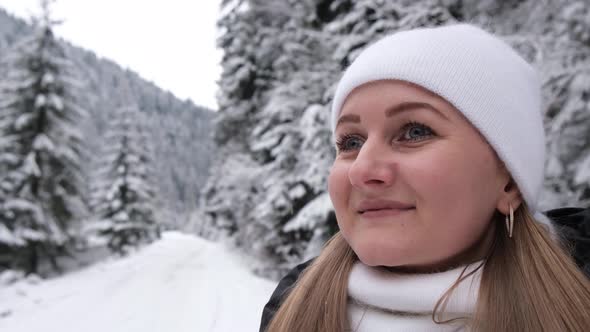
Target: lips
{"x":382,"y":206}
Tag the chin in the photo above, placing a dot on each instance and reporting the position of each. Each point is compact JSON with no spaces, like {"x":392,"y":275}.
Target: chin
{"x":371,"y":261}
{"x":373,"y":255}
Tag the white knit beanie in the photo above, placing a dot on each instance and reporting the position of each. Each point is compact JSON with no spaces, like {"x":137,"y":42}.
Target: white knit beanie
{"x":479,"y":74}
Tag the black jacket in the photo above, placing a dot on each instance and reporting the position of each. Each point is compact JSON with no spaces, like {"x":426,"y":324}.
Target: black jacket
{"x":573,"y":223}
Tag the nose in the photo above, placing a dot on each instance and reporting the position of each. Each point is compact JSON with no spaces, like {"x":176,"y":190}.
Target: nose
{"x":373,"y":167}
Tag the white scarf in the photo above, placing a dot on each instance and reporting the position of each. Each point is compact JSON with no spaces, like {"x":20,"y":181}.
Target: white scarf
{"x":380,"y":300}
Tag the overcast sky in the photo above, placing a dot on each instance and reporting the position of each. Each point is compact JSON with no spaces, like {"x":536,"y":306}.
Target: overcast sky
{"x":169,"y":42}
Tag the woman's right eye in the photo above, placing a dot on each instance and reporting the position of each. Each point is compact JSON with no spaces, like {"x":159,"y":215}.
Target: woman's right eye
{"x":349,"y":142}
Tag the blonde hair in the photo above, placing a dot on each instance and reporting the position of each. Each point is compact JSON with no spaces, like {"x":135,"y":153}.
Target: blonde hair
{"x":529,"y":283}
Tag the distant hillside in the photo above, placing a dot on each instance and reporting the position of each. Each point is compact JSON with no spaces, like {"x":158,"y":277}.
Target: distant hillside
{"x":180,"y":130}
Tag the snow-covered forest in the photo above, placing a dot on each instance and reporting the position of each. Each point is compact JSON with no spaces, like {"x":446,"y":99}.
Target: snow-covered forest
{"x":84,"y":144}
{"x":94,"y":159}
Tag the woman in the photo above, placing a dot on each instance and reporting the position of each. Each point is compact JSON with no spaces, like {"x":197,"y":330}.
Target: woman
{"x":440,"y":154}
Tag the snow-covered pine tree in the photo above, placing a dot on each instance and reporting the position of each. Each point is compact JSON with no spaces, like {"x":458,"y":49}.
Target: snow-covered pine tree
{"x":566,"y":72}
{"x":41,"y":182}
{"x":257,"y":135}
{"x":365,"y":21}
{"x":124,"y":199}
{"x":248,"y":29}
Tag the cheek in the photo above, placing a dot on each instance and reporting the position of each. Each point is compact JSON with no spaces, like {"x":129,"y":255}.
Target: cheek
{"x":339,"y":189}
{"x":453,"y":177}
{"x":454,"y":189}
{"x":339,"y":185}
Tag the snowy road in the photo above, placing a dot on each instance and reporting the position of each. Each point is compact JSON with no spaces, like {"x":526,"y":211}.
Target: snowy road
{"x":180,"y":283}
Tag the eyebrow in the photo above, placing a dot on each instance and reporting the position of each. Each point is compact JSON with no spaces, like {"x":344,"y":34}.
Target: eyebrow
{"x":395,"y":109}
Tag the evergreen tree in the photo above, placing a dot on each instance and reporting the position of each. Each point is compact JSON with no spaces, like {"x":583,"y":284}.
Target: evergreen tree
{"x":564,"y":61}
{"x":252,"y":186}
{"x":41,"y":181}
{"x":124,"y":199}
{"x":250,"y":47}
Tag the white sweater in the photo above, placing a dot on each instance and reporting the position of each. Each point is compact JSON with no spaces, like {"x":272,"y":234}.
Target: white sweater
{"x":380,"y":300}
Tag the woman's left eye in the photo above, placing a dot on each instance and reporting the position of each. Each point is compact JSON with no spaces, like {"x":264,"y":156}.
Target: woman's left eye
{"x":414,"y":131}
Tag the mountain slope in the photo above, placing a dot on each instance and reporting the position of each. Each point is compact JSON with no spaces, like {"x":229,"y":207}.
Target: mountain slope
{"x":180,"y":130}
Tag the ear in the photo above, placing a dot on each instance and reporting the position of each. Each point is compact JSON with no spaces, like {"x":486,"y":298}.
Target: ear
{"x":510,"y":195}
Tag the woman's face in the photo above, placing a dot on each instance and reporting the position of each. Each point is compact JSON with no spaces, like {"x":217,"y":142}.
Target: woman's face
{"x":414,"y":184}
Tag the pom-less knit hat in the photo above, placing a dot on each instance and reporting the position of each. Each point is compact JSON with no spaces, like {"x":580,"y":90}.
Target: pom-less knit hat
{"x":480,"y":75}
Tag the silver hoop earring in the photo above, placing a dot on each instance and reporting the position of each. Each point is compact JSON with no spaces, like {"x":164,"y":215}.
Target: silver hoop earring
{"x":510,"y":222}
